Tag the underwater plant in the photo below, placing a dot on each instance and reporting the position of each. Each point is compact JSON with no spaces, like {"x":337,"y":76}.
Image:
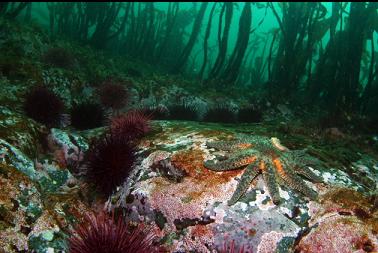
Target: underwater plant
{"x":87,"y":116}
{"x":220,"y":114}
{"x":102,"y":233}
{"x":43,"y":105}
{"x":113,"y":95}
{"x":130,"y":126}
{"x":183,"y":112}
{"x":108,"y":162}
{"x":12,"y":10}
{"x":249,"y":114}
{"x":59,"y":57}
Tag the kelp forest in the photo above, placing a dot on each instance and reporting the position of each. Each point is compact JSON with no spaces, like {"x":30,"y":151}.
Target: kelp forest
{"x":293,"y":59}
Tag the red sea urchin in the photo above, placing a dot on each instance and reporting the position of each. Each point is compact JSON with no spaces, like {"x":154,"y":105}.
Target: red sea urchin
{"x":108,"y":163}
{"x":157,"y":112}
{"x":113,"y":95}
{"x":131,"y":126}
{"x":232,"y":248}
{"x":43,"y":105}
{"x":183,"y":112}
{"x":59,"y":57}
{"x":220,"y":114}
{"x":102,"y":233}
{"x":87,"y":115}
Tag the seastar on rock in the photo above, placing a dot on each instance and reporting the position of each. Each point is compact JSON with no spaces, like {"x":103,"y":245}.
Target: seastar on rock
{"x":266,"y":156}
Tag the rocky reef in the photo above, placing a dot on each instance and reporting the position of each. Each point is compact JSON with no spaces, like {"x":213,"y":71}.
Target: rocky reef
{"x":171,"y":191}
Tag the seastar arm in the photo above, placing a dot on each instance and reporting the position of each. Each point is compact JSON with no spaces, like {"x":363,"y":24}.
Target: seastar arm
{"x":301,"y":157}
{"x":251,"y":171}
{"x":306,"y":172}
{"x":228,"y":145}
{"x":301,"y":161}
{"x":291,"y":180}
{"x":270,"y":180}
{"x":232,"y":163}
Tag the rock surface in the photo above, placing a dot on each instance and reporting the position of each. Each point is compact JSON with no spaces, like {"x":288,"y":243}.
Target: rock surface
{"x":185,"y":203}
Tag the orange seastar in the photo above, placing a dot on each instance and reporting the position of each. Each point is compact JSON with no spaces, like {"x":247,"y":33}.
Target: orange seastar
{"x":266,"y":156}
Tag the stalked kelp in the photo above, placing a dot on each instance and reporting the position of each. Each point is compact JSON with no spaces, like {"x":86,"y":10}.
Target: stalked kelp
{"x":12,"y":10}
{"x":295,"y":58}
{"x":76,"y":19}
{"x":295,"y":46}
{"x":183,"y":58}
{"x":336,"y":81}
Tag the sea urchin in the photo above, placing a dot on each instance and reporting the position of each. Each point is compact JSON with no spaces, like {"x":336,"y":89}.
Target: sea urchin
{"x":43,"y":105}
{"x":87,"y":116}
{"x":131,"y":126}
{"x":59,"y":57}
{"x":220,"y":114}
{"x":108,"y":163}
{"x":113,"y":95}
{"x":250,"y":114}
{"x":103,"y":233}
{"x":183,"y":112}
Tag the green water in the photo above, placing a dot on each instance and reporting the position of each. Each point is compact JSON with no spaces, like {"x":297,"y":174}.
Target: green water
{"x":315,"y":61}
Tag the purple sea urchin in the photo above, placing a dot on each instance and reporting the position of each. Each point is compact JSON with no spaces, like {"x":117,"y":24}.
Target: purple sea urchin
{"x":103,"y":233}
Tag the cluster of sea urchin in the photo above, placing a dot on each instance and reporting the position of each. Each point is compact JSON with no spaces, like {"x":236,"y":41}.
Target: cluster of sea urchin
{"x":250,"y":114}
{"x":110,"y":159}
{"x":183,"y":112}
{"x":221,"y":114}
{"x":103,"y":233}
